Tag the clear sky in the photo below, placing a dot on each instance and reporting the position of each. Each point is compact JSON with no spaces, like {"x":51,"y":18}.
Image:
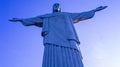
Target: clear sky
{"x":22,"y":46}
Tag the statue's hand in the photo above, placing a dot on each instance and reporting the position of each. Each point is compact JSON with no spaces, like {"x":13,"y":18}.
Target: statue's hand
{"x":15,"y":20}
{"x":100,"y":8}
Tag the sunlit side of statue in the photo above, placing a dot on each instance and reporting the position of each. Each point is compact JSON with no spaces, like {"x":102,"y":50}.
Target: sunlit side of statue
{"x":59,"y":36}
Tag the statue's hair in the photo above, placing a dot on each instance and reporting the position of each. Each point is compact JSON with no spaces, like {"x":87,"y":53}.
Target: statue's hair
{"x":56,"y":3}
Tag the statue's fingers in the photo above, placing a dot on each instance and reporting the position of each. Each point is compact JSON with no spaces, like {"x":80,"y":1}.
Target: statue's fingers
{"x":12,"y":20}
{"x":105,"y":6}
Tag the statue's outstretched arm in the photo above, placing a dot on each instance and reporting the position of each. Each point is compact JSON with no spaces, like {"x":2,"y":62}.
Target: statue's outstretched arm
{"x":29,"y":21}
{"x":76,"y":17}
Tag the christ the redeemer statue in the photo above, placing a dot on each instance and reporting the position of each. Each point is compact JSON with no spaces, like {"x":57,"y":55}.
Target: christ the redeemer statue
{"x":60,"y":38}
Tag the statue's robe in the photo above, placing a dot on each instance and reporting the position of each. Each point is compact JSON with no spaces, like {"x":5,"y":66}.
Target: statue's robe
{"x":60,"y":37}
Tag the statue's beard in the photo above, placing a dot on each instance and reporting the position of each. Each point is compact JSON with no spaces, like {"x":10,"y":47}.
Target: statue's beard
{"x":56,"y":10}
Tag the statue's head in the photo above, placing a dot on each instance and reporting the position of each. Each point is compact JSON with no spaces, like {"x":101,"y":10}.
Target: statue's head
{"x":56,"y":7}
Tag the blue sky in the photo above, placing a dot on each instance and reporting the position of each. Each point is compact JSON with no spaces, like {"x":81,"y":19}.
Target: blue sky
{"x":22,"y":46}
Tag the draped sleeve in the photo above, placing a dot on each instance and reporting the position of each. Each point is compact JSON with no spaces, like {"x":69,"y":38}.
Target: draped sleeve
{"x":37,"y":21}
{"x":76,"y":17}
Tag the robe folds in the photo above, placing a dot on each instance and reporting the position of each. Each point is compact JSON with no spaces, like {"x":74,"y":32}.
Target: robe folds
{"x":60,"y":38}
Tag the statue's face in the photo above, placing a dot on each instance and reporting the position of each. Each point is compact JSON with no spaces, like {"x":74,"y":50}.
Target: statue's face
{"x":56,"y":7}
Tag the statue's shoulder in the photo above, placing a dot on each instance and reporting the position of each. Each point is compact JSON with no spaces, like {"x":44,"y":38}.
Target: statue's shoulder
{"x":46,"y":15}
{"x":65,"y":12}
